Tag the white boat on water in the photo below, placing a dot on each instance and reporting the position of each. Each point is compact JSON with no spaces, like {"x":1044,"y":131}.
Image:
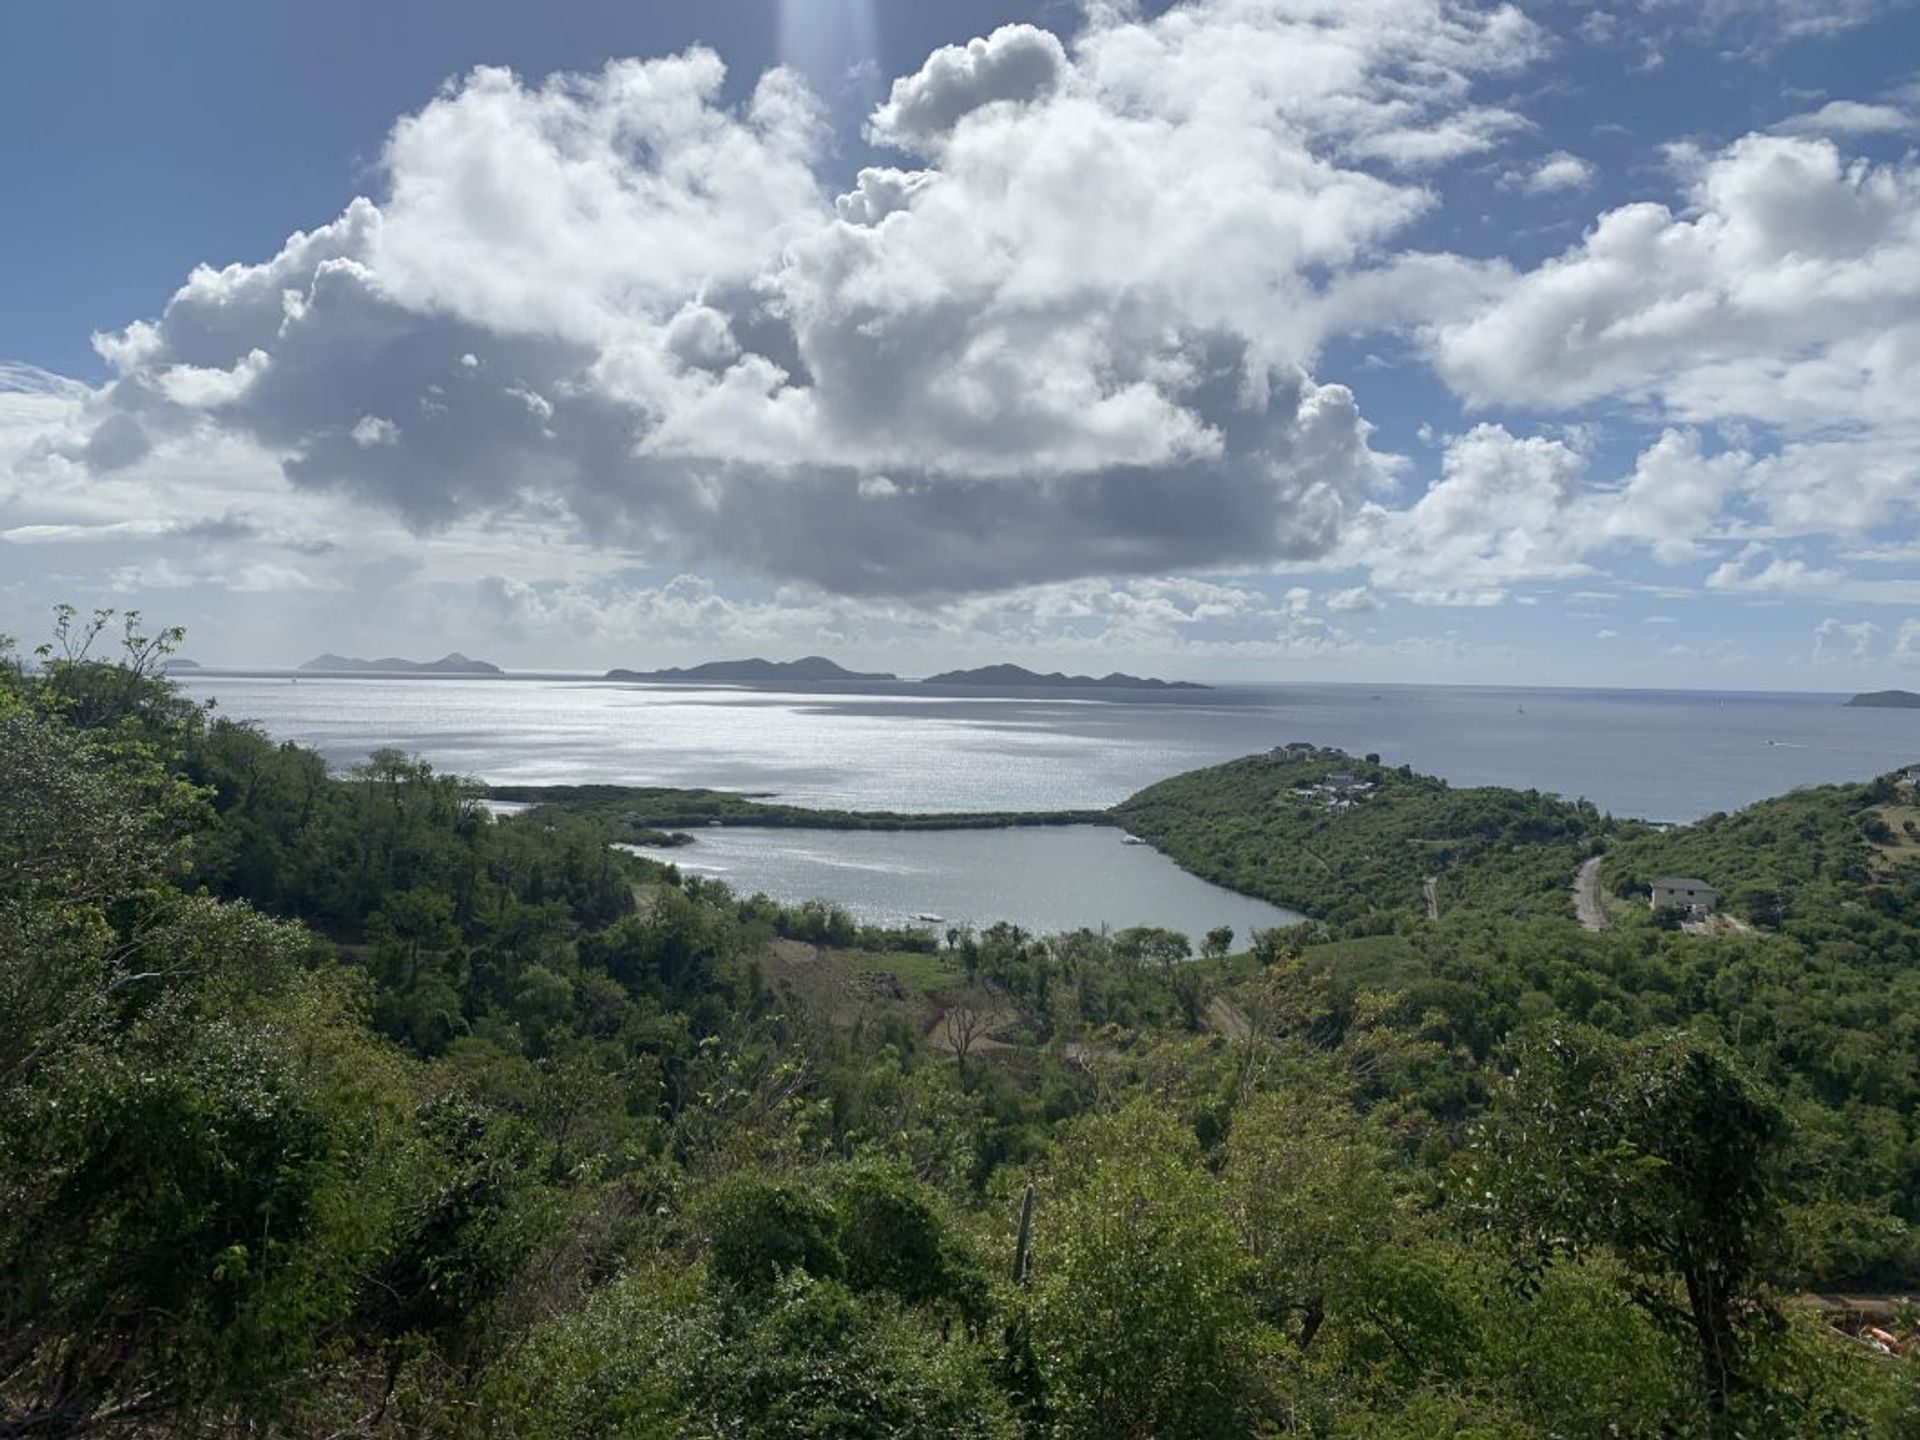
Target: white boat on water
{"x":1131,"y":840}
{"x":928,"y":919}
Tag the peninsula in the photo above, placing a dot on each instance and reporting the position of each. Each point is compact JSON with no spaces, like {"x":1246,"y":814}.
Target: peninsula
{"x":1018,"y":677}
{"x":808,"y":670}
{"x":1886,"y":700}
{"x":453,"y":663}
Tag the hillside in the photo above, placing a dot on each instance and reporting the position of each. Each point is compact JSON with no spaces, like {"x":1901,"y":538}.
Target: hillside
{"x":492,"y":1129}
{"x":1820,"y":863}
{"x":1335,"y":837}
{"x":808,"y":670}
{"x":1015,"y":677}
{"x":1886,"y":700}
{"x":453,"y":663}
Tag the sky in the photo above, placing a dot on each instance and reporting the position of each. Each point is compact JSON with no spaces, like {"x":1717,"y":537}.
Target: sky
{"x":1374,"y":340}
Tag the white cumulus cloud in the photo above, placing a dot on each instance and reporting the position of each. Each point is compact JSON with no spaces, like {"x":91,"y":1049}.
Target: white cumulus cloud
{"x":1016,"y":64}
{"x":1790,"y":295}
{"x":1080,"y":340}
{"x":1560,"y":171}
{"x":1845,"y":118}
{"x":1759,"y":569}
{"x":371,"y":430}
{"x":1839,"y":640}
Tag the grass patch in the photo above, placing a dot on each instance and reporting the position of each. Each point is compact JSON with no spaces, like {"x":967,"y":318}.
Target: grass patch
{"x":918,"y":974}
{"x":1374,"y":961}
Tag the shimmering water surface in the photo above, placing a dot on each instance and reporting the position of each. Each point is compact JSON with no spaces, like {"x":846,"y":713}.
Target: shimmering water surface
{"x":1047,"y":880}
{"x":1658,"y":754}
{"x":1663,"y":755}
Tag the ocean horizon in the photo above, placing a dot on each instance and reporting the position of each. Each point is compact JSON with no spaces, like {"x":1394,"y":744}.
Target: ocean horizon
{"x":1663,"y":755}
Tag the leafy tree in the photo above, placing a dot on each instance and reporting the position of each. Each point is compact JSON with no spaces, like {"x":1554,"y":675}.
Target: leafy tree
{"x":759,"y":1229}
{"x":1310,"y":1189}
{"x":1139,"y":1319}
{"x":895,"y":1240}
{"x":200,"y":1146}
{"x":1662,"y":1152}
{"x":1167,"y":949}
{"x":476,"y":1217}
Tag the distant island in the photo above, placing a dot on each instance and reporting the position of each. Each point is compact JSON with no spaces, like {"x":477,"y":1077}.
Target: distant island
{"x":808,"y":670}
{"x":1015,"y":676}
{"x":178,"y":662}
{"x":451,"y":664}
{"x":1886,"y":700}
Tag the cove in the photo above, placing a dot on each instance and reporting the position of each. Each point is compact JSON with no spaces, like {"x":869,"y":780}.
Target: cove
{"x":1045,"y":880}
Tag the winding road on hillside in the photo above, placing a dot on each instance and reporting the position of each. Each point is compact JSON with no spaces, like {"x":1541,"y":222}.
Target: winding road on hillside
{"x":1586,"y":896}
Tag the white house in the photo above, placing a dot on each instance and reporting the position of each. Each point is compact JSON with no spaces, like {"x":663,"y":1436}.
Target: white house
{"x":1342,"y":783}
{"x":1679,"y":892}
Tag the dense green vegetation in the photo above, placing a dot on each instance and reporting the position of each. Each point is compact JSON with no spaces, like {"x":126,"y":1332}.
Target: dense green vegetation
{"x":1832,"y":864}
{"x":1815,"y":980}
{"x":653,"y":815}
{"x":330,"y":1105}
{"x":1255,"y":825}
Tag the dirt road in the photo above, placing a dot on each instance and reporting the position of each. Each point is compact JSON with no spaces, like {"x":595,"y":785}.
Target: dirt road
{"x":1586,"y":896}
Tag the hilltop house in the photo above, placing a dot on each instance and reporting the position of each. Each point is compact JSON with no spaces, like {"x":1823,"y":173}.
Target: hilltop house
{"x":1338,"y":792}
{"x":1679,"y":892}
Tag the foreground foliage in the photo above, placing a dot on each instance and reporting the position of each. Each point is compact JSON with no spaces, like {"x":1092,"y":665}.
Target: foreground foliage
{"x":330,"y":1104}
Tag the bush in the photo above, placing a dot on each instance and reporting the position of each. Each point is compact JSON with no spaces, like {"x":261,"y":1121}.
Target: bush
{"x":653,"y":1357}
{"x":759,"y":1229}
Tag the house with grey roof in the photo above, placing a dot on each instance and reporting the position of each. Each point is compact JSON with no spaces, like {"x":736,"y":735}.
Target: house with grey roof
{"x":1685,"y":894}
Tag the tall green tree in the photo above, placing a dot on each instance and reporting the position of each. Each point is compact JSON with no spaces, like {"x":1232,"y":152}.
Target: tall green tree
{"x":1665,"y":1153}
{"x":1140,"y":1324}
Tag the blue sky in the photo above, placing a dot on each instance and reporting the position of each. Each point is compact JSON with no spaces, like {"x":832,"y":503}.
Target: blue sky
{"x":165,"y":136}
{"x":1396,"y":339}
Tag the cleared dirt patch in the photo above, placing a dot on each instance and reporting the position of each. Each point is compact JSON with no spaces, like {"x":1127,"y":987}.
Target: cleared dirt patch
{"x":844,"y":984}
{"x":971,"y":1018}
{"x":1225,"y":1019}
{"x":1902,"y":847}
{"x":1719,"y":923}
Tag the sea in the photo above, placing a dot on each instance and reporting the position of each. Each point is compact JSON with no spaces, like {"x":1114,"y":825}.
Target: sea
{"x":1663,"y":755}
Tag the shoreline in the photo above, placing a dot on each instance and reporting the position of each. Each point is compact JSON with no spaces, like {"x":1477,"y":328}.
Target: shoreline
{"x":658,"y":808}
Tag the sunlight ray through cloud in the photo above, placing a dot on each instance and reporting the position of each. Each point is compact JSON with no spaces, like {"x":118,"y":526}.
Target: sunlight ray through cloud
{"x":831,"y":42}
